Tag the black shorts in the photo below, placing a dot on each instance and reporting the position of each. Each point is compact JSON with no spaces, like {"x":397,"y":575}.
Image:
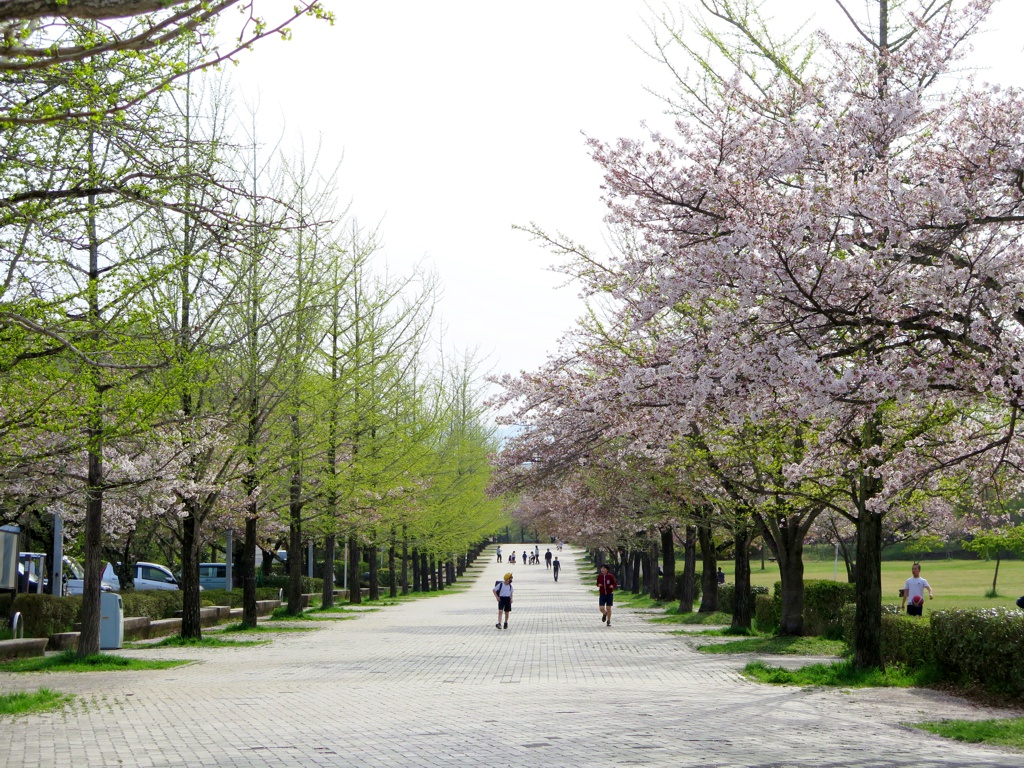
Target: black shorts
{"x":915,"y":610}
{"x":504,"y":603}
{"x":605,"y":599}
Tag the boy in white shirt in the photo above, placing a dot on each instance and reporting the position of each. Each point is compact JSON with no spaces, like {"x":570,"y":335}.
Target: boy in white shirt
{"x":913,"y":592}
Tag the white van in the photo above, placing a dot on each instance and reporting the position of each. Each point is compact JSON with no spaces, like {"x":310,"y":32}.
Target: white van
{"x":147,"y":576}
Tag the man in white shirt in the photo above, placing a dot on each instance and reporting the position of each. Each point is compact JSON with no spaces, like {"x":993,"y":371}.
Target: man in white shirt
{"x":913,"y":592}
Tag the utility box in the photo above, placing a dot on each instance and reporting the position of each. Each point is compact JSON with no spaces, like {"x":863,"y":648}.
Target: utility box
{"x":111,"y":621}
{"x":9,"y":546}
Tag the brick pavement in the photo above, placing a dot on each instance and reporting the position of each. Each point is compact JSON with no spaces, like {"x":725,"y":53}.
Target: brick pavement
{"x":433,"y":683}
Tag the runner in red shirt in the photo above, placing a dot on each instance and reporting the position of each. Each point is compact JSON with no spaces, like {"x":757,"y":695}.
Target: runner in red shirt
{"x":606,"y":585}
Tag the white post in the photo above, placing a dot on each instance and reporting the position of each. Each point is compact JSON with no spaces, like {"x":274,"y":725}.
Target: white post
{"x":309,"y":563}
{"x":229,"y":559}
{"x":57,"y":570}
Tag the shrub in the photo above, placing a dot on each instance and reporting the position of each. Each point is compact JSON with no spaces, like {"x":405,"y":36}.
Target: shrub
{"x":848,"y":615}
{"x":6,"y":598}
{"x":234,"y":597}
{"x":45,"y":615}
{"x":767,"y":612}
{"x":153,"y":603}
{"x":823,"y":605}
{"x":696,"y":585}
{"x":309,"y":585}
{"x":984,"y":646}
{"x":727,"y":596}
{"x":907,"y":640}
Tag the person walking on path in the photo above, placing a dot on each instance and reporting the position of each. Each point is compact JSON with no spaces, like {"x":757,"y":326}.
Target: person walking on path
{"x":547,"y":558}
{"x":913,"y":592}
{"x":499,"y":554}
{"x":557,"y":566}
{"x":606,"y":585}
{"x":503,"y":593}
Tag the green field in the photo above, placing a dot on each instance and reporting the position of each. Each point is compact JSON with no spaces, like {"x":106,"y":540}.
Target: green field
{"x":957,"y":583}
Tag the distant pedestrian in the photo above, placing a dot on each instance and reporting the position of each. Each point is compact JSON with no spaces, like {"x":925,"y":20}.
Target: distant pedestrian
{"x":499,"y":554}
{"x":503,"y":593}
{"x":913,"y":592}
{"x":536,"y":553}
{"x":557,"y":566}
{"x":721,"y":576}
{"x":526,"y":560}
{"x":547,"y":558}
{"x":606,"y":585}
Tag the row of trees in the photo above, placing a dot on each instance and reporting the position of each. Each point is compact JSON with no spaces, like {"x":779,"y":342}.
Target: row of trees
{"x":812,"y":320}
{"x":194,"y":338}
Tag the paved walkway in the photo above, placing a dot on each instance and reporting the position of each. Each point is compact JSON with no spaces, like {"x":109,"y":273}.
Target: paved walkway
{"x":433,"y":683}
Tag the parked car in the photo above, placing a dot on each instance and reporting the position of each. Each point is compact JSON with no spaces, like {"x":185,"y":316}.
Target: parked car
{"x":147,"y":576}
{"x":213,"y":575}
{"x":74,"y":578}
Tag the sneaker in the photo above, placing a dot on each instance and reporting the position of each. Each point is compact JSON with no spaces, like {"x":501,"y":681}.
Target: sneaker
{"x":506,"y":625}
{"x":498,"y":625}
{"x":603,"y":617}
{"x":608,"y":624}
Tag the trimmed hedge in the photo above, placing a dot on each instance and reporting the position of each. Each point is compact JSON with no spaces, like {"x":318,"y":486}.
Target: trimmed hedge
{"x":234,"y":597}
{"x":767,"y":613}
{"x":727,"y":596}
{"x":312,"y":586}
{"x":985,"y":646}
{"x":905,"y":639}
{"x":823,"y":605}
{"x":153,"y":603}
{"x":45,"y":614}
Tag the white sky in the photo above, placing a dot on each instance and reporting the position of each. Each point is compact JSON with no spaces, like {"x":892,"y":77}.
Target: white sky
{"x":457,"y":119}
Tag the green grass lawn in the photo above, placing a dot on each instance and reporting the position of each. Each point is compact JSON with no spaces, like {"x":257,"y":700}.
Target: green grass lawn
{"x":781,"y":646}
{"x":68,"y":661}
{"x":23,"y":702}
{"x":177,"y":641}
{"x":1005,"y":733}
{"x":841,"y":674}
{"x":957,"y":583}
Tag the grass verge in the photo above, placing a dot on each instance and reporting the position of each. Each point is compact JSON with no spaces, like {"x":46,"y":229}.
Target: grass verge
{"x":695,"y":618}
{"x":24,"y":703}
{"x":1004,"y":733}
{"x":235,"y":628}
{"x":794,"y":646}
{"x":68,"y":661}
{"x":843,"y":675}
{"x":177,"y":641}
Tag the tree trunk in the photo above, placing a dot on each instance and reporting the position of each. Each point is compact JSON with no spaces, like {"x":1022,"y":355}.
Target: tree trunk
{"x":372,"y":561}
{"x":89,"y":639}
{"x":686,"y":597}
{"x":327,"y":594}
{"x":654,"y":583}
{"x":627,"y":572}
{"x":709,"y":574}
{"x":742,"y":610}
{"x":392,"y":576}
{"x":634,"y":567}
{"x":355,"y":594}
{"x":405,"y":563}
{"x":867,"y":637}
{"x":432,"y":570}
{"x":668,"y":559}
{"x":249,"y":573}
{"x":294,"y":562}
{"x":191,"y":626}
{"x":995,"y":576}
{"x":415,"y":570}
